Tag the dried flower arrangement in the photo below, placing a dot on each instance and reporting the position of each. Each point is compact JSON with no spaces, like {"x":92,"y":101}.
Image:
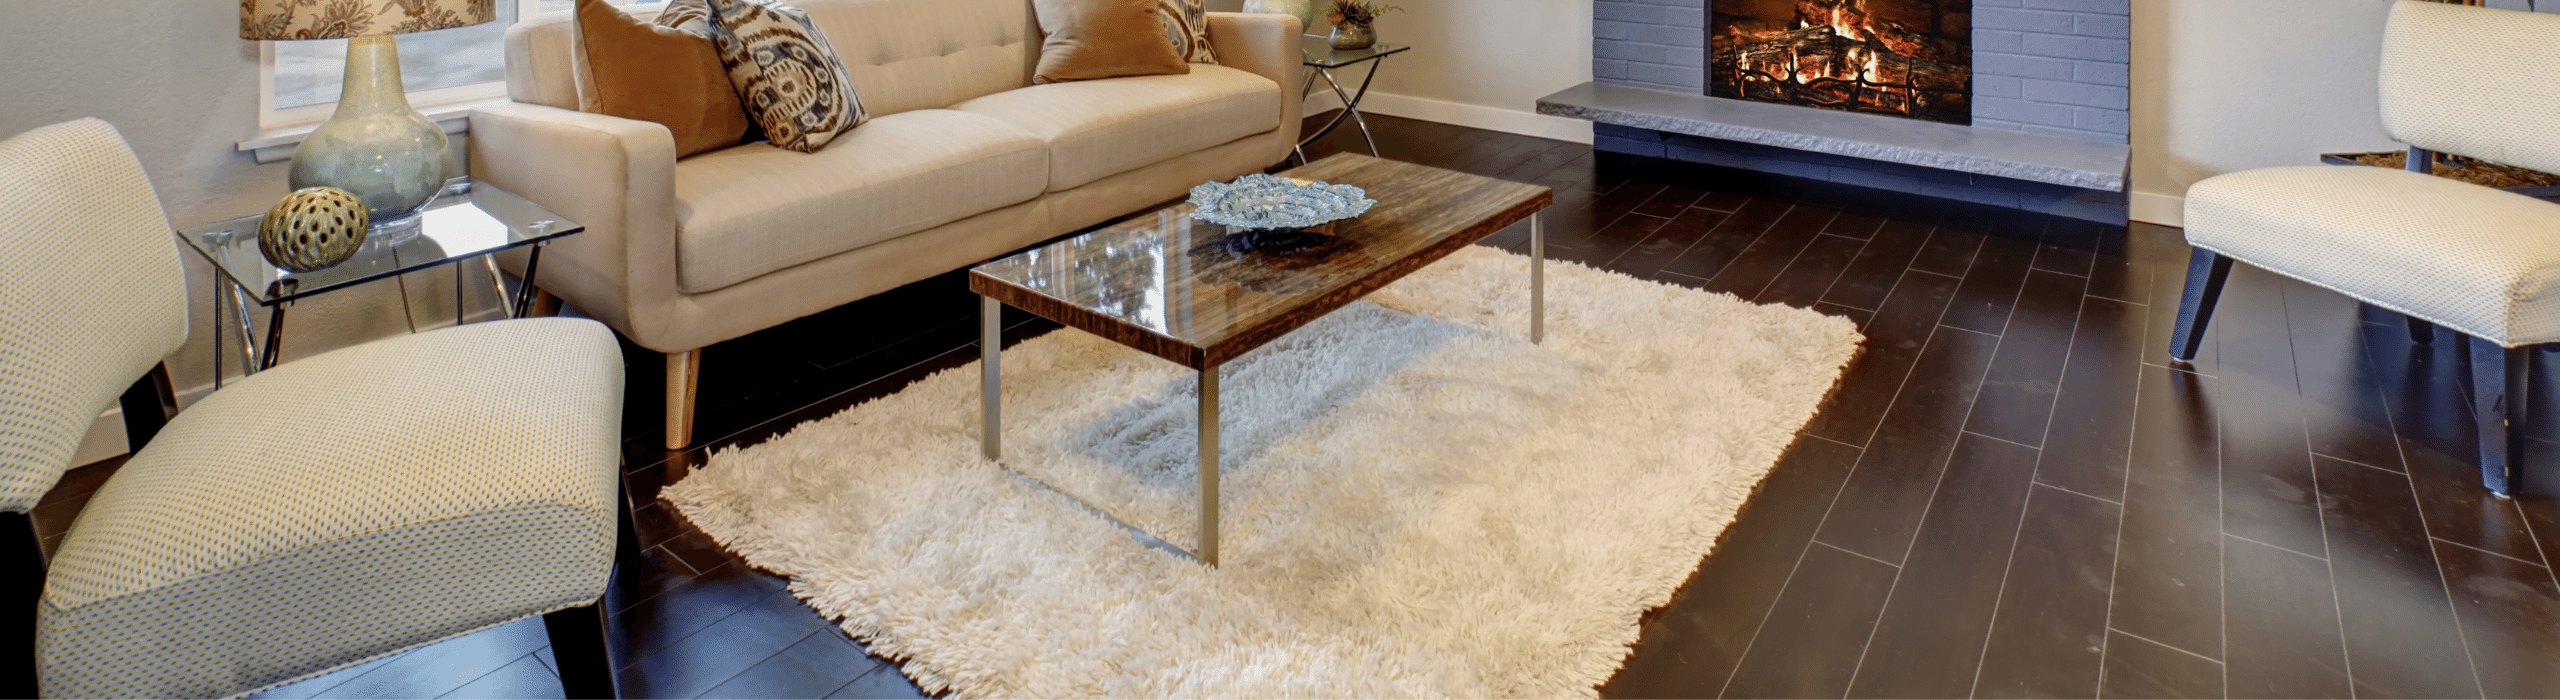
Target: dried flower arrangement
{"x":1358,"y":11}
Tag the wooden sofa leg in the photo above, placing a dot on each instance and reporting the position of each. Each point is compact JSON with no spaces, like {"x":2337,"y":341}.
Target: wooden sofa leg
{"x":22,"y":568}
{"x":2206,"y":271}
{"x":2420,"y":331}
{"x":577,"y":643}
{"x":2499,"y":377}
{"x":684,"y":370}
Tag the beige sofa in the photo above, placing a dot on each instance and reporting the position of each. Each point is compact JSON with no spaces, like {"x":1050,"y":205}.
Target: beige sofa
{"x":963,"y":161}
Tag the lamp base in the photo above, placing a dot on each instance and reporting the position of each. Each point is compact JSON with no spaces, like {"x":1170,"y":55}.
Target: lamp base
{"x":375,"y":145}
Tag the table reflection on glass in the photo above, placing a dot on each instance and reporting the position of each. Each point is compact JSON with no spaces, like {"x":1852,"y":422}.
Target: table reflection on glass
{"x":467,"y":220}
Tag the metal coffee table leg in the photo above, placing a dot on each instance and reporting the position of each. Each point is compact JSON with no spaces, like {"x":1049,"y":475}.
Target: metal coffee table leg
{"x":1209,"y":464}
{"x":1537,"y":280}
{"x":990,"y":399}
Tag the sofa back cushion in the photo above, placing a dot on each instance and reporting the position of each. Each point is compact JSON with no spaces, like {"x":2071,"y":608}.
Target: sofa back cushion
{"x":903,"y":54}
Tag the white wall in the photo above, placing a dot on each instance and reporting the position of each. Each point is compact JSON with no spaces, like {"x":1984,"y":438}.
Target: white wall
{"x":1479,"y":63}
{"x":182,"y":86}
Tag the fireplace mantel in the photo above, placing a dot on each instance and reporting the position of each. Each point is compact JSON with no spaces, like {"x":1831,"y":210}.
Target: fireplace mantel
{"x":2015,"y":155}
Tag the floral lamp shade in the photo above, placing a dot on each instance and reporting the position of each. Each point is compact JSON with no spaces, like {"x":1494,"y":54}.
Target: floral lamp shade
{"x":347,"y":19}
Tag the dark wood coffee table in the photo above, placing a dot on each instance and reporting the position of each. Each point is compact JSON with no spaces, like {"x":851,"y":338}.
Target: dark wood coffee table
{"x":1198,"y":294}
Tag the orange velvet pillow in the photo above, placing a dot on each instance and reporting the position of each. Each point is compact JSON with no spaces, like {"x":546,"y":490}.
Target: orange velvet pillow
{"x":1090,"y":39}
{"x":636,"y":70}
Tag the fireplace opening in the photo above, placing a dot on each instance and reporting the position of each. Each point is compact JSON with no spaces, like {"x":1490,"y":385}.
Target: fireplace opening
{"x":1908,"y":58}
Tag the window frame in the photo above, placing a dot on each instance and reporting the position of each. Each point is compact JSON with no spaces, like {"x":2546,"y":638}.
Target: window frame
{"x":276,"y":122}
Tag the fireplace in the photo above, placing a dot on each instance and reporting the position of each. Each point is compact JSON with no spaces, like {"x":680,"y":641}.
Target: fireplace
{"x":1908,"y":58}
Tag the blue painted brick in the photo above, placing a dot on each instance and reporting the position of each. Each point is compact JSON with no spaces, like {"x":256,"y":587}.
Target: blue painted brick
{"x":1972,"y":193}
{"x":1631,"y":52}
{"x":2070,"y":93}
{"x":1995,"y":86}
{"x":1608,"y":69}
{"x":2110,"y":121}
{"x":1693,"y":16}
{"x":1997,"y":41}
{"x":1877,"y":180}
{"x":1672,"y":36}
{"x":1625,"y":132}
{"x":1626,"y":12}
{"x":1618,"y":145}
{"x":2023,"y":20}
{"x":2101,"y":73}
{"x":2064,"y":132}
{"x":1999,"y":3}
{"x":2021,"y":66}
{"x":1605,"y":29}
{"x":2104,"y":7}
{"x":2108,"y":26}
{"x":2022,"y":111}
{"x":1670,"y":77}
{"x":1691,"y":57}
{"x":2079,"y":47}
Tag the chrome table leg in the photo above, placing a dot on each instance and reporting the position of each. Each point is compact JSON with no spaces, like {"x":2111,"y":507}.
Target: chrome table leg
{"x":248,"y":337}
{"x":990,"y":398}
{"x":1537,"y":280}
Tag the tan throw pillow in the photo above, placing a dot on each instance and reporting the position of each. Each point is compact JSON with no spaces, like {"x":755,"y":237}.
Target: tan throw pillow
{"x":1090,"y":39}
{"x":1186,"y":24}
{"x":658,"y":74}
{"x":791,"y":81}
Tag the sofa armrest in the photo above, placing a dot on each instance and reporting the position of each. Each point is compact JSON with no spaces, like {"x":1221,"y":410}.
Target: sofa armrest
{"x":1267,"y":45}
{"x":615,"y":176}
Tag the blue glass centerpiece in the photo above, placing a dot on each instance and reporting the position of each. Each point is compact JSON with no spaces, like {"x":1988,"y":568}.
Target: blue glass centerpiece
{"x":1270,"y":202}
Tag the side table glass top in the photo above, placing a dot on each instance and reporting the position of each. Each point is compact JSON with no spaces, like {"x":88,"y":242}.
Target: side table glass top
{"x":467,"y":220}
{"x":1320,"y":54}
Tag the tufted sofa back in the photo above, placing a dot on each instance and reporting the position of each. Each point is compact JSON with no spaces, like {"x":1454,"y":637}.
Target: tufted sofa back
{"x":2473,"y":81}
{"x":903,"y":54}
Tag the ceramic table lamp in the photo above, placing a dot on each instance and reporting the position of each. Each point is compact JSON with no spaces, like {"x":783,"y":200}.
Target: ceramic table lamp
{"x":375,"y":145}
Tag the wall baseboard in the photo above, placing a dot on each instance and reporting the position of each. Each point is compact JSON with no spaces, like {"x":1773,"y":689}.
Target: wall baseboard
{"x":2156,"y":208}
{"x":1466,"y":115}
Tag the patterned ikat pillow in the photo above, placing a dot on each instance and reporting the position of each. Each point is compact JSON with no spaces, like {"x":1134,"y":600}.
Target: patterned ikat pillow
{"x":791,"y":81}
{"x":1186,"y":24}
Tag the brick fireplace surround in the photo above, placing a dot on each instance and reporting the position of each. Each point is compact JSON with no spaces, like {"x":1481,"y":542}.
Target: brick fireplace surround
{"x":2056,"y":69}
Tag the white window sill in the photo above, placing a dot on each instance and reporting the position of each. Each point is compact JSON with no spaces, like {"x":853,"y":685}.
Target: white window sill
{"x":277,"y":145}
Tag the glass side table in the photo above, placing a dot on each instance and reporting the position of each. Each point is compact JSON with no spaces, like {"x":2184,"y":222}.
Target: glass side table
{"x":464,"y":221}
{"x":1320,"y":59}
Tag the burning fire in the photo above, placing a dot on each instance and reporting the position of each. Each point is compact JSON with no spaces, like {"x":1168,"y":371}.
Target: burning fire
{"x":1840,"y":55}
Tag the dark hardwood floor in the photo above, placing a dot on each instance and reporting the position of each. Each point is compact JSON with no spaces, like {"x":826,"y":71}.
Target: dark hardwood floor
{"x":2010,"y":493}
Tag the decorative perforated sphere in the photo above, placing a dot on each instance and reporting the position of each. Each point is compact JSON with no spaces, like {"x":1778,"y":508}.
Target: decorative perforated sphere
{"x":313,"y":228}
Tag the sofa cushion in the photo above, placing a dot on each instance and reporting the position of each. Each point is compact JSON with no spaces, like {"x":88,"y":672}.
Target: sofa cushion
{"x":746,"y":211}
{"x":1099,"y":128}
{"x":929,"y":54}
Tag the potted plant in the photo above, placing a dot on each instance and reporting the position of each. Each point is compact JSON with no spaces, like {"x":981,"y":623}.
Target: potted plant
{"x":1351,"y":22}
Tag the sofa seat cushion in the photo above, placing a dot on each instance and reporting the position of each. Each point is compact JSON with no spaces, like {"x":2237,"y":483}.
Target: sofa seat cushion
{"x":1099,"y":128}
{"x":2474,"y":259}
{"x":746,"y":211}
{"x":344,"y":506}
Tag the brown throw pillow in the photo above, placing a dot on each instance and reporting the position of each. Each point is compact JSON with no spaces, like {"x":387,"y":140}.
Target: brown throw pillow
{"x":659,"y":74}
{"x":1090,"y":39}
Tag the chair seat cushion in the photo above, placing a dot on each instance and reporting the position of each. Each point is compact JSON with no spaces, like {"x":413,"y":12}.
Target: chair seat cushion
{"x":745,"y":211}
{"x":2478,"y":260}
{"x":1099,"y":128}
{"x":341,"y":507}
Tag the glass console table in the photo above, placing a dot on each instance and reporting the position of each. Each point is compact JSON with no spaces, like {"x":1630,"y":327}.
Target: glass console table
{"x":1320,"y":59}
{"x":465,"y":221}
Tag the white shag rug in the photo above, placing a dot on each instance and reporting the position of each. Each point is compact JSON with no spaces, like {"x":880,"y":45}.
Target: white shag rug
{"x":1418,"y":502}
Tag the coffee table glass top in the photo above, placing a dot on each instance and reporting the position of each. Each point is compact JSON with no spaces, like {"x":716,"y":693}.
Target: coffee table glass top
{"x":1316,"y":51}
{"x":466,"y":220}
{"x":1198,"y":293}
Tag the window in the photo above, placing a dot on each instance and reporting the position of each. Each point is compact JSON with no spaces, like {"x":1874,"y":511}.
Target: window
{"x":443,"y":67}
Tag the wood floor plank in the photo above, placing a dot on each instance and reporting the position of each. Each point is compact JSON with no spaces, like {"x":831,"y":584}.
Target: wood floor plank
{"x":2050,"y":638}
{"x":2424,"y":391}
{"x":1813,"y":271}
{"x":1762,"y":261}
{"x":2282,"y":624}
{"x":1896,"y":336}
{"x":1880,"y":509}
{"x":1949,"y":252}
{"x":2268,"y":494}
{"x":1718,"y":248}
{"x":2510,"y":613}
{"x":2068,"y":246}
{"x":2016,"y":403}
{"x":2402,"y":641}
{"x":1668,"y":241}
{"x":2091,"y":437}
{"x":1690,"y":646}
{"x":2168,"y":580}
{"x":1879,"y":265}
{"x":2342,"y":406}
{"x":2141,"y":668}
{"x":1816,"y":632}
{"x":1991,"y":285}
{"x":1920,"y":647}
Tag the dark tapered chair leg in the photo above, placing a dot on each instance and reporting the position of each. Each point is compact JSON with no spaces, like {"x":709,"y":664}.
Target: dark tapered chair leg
{"x":2420,"y":331}
{"x":2206,"y":271}
{"x":577,"y":643}
{"x":147,"y":405}
{"x":2499,"y":377}
{"x":22,"y":568}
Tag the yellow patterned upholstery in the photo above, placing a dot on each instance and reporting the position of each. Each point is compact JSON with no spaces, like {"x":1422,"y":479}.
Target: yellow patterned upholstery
{"x":2471,"y":258}
{"x":2473,"y":81}
{"x":341,"y":507}
{"x":90,"y":294}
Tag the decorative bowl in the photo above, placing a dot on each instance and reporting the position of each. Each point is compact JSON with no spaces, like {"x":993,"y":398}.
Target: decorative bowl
{"x":1264,"y":202}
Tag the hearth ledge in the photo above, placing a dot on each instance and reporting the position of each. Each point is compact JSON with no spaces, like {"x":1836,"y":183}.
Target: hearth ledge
{"x":2016,"y":155}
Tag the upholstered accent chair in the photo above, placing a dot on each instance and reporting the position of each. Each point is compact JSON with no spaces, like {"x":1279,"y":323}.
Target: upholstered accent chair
{"x":333,"y":510}
{"x":2479,"y":261}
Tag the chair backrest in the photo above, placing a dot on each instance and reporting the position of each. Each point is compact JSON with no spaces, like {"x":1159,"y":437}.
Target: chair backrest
{"x":2473,"y":81}
{"x":91,"y":294}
